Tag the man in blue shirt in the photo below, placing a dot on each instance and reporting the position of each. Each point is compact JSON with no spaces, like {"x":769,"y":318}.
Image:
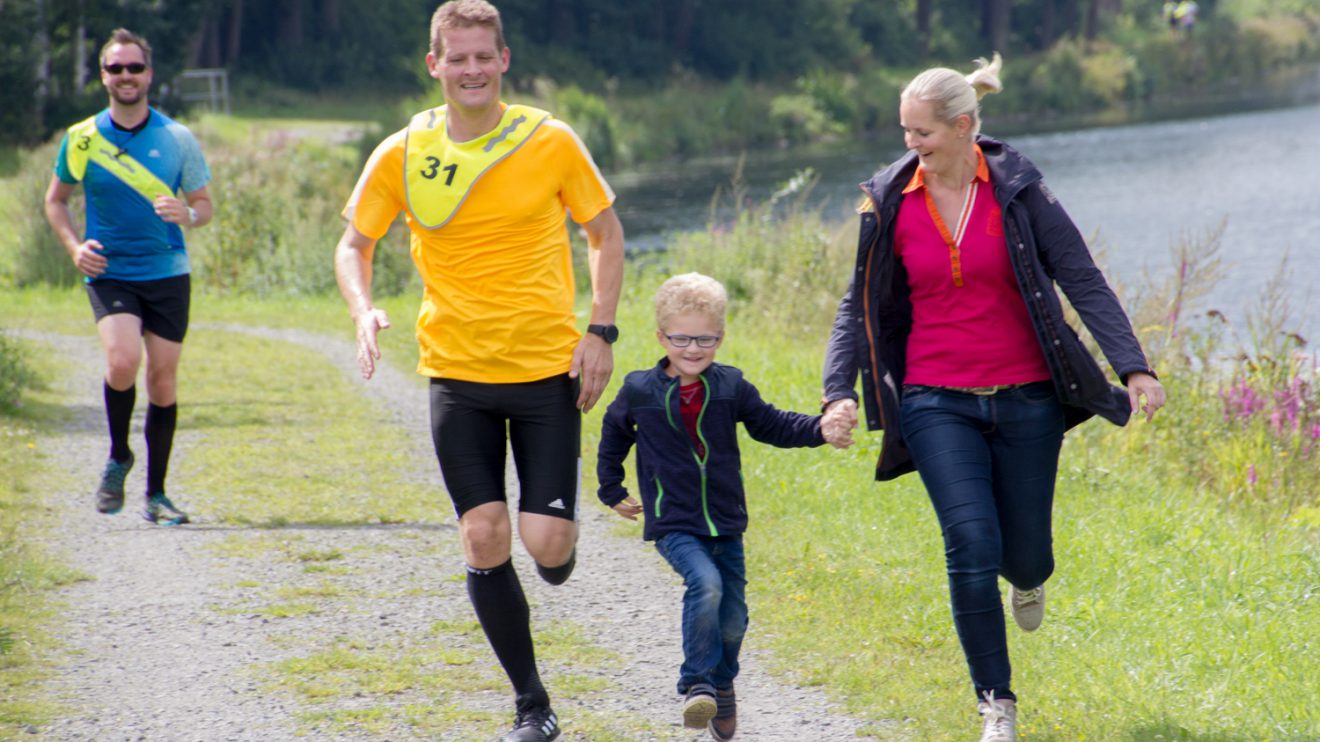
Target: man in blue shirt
{"x":132,"y":162}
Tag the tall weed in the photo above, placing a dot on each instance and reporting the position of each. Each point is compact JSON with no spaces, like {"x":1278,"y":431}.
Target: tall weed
{"x":779,"y":260}
{"x":29,"y":252}
{"x":277,"y":219}
{"x":16,"y":374}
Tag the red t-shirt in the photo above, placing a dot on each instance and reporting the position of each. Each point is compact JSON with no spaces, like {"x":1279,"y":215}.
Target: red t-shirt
{"x":690,"y":399}
{"x":970,"y":325}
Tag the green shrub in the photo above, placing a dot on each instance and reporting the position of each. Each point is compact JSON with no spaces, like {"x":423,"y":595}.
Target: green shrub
{"x":277,"y":219}
{"x":780,"y":262}
{"x":30,"y":254}
{"x":16,"y":375}
{"x":591,"y":117}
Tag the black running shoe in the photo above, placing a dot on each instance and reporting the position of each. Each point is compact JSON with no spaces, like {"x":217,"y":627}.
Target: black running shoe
{"x":110,"y":495}
{"x":534,"y":725}
{"x":160,"y":510}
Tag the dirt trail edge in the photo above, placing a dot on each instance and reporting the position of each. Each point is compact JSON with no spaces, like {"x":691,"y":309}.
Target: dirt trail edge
{"x":158,"y":646}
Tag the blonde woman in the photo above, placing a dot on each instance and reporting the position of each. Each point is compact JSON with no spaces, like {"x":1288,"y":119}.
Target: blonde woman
{"x":953,"y":324}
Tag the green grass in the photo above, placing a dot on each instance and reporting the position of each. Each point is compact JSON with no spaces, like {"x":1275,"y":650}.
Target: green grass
{"x":1174,"y":612}
{"x":1181,"y":608}
{"x":29,"y":616}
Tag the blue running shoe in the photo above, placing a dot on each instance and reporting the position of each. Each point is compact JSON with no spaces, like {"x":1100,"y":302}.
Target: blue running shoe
{"x":110,"y":495}
{"x":161,"y":511}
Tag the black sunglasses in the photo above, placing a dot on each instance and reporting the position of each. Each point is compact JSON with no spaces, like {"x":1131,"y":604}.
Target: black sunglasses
{"x":135,"y":68}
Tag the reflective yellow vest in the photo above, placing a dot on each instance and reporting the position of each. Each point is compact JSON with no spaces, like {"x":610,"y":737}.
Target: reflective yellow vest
{"x":439,"y":174}
{"x":87,"y":145}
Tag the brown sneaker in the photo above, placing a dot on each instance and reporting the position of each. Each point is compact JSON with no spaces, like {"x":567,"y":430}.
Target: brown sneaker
{"x":1028,"y":606}
{"x":725,"y":723}
{"x":698,"y":706}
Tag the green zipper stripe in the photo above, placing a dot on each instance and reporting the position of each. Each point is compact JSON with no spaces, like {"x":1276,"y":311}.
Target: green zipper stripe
{"x":701,"y":460}
{"x":705,"y":447}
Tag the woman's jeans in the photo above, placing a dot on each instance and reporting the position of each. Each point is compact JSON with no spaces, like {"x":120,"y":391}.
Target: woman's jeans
{"x":714,"y":605}
{"x":989,"y":464}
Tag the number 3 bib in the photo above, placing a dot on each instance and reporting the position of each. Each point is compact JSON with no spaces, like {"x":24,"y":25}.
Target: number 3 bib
{"x":439,"y":173}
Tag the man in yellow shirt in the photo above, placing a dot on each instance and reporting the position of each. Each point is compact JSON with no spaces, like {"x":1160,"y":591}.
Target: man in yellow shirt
{"x":484,"y":188}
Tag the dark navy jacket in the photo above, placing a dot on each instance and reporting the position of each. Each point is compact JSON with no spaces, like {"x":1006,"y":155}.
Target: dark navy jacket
{"x":680,"y":491}
{"x":875,"y":316}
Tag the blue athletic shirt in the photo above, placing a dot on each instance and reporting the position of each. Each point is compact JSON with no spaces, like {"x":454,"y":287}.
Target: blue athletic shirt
{"x":139,"y":245}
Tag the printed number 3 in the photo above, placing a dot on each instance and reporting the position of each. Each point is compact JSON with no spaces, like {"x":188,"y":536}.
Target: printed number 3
{"x":433,"y":169}
{"x":83,"y":143}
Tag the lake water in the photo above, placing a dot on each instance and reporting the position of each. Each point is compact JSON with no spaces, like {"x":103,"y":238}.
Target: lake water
{"x":1137,"y":189}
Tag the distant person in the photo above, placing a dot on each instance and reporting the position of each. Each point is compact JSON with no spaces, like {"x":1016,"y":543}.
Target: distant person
{"x":966,"y":362}
{"x":1169,"y":13}
{"x":683,"y":416}
{"x":484,"y":188}
{"x":132,"y":161}
{"x":1185,"y":15}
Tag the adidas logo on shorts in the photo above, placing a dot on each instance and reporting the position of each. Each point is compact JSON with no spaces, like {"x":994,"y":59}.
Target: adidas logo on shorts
{"x":558,"y":504}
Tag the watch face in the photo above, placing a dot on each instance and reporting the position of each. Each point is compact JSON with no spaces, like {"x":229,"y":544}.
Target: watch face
{"x":608,"y":333}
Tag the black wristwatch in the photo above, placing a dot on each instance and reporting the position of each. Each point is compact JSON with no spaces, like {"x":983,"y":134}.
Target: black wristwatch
{"x":608,"y":333}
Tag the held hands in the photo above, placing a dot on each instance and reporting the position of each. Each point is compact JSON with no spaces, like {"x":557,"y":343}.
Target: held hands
{"x":628,"y":508}
{"x":369,"y":322}
{"x":593,"y":363}
{"x":88,"y":259}
{"x":837,"y":424}
{"x":1144,"y":385}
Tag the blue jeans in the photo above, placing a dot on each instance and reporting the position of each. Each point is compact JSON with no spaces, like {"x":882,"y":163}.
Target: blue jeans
{"x":989,"y":464}
{"x":714,"y":605}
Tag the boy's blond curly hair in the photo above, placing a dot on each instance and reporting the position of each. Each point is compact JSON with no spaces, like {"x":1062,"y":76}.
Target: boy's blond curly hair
{"x":690,"y":293}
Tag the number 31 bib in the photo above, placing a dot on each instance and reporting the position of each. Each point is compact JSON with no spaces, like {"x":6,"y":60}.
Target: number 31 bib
{"x":439,"y":173}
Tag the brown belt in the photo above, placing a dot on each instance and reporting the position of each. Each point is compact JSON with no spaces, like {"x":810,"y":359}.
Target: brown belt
{"x":982,"y":391}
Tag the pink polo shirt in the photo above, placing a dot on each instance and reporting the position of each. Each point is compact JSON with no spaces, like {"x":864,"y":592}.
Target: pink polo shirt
{"x":969,"y":322}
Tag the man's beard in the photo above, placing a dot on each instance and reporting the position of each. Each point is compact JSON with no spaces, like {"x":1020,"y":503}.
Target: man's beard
{"x":138,"y":93}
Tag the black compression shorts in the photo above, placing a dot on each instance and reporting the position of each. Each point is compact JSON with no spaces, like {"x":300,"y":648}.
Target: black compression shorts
{"x":469,"y":421}
{"x":161,"y":304}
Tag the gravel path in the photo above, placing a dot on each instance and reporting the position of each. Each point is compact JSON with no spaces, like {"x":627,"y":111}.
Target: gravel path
{"x":166,"y":642}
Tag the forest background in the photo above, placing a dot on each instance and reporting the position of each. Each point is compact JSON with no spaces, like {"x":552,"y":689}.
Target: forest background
{"x":657,"y":79}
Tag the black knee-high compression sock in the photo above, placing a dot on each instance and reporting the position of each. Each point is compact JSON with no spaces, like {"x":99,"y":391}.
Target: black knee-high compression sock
{"x":558,"y":575}
{"x":501,"y":607}
{"x":119,"y":415}
{"x":160,"y":439}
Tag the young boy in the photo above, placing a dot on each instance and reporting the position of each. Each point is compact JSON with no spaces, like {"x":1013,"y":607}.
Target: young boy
{"x":683,"y":417}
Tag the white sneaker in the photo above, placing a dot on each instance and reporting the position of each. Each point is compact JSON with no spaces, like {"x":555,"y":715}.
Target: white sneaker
{"x":1028,"y":606}
{"x":999,"y":719}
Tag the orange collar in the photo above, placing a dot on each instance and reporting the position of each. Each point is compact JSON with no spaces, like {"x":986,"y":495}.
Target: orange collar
{"x":982,"y":172}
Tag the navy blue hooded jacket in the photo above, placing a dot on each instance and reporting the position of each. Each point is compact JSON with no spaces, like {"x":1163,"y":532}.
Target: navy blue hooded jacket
{"x":1044,"y":247}
{"x":680,"y":491}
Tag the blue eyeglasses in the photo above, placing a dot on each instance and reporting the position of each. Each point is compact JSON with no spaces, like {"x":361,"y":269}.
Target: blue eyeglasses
{"x":683,"y":341}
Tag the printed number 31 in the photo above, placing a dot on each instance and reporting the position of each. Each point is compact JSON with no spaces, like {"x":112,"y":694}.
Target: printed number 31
{"x":433,"y":169}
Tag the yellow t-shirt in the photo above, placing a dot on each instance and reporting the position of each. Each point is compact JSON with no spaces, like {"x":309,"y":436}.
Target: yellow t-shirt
{"x":498,"y":300}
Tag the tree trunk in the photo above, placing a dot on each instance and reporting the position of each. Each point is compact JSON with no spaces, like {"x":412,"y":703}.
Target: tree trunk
{"x":995,"y":18}
{"x":234,"y":37}
{"x":1092,"y":26}
{"x":43,"y":61}
{"x":1048,"y":29}
{"x":329,"y":17}
{"x":924,"y":8}
{"x":291,"y":24}
{"x":80,"y":51}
